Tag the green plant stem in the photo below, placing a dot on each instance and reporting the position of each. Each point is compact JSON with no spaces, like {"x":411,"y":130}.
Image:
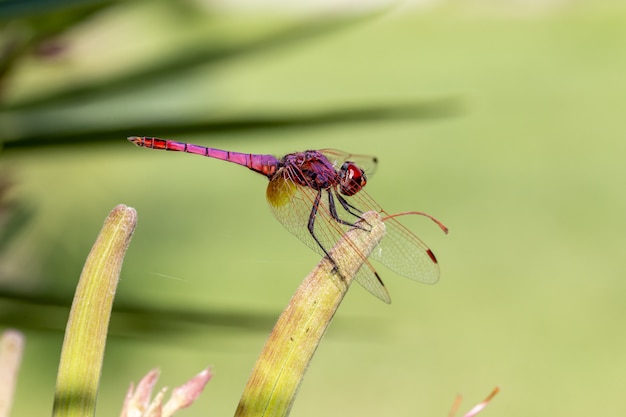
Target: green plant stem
{"x":85,"y":335}
{"x":280,"y":368}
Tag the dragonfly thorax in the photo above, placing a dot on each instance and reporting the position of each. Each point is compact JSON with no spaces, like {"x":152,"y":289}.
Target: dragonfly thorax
{"x":311,"y":169}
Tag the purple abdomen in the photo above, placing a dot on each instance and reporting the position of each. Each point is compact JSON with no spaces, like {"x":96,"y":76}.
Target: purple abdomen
{"x":263,"y":164}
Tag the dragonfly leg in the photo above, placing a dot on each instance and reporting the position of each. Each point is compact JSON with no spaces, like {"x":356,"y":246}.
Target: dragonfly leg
{"x":348,"y":207}
{"x":311,"y":227}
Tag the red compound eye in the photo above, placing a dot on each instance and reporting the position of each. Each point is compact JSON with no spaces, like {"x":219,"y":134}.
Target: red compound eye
{"x":351,"y":179}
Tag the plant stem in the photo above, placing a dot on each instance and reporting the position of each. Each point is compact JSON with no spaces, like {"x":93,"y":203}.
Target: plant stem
{"x":280,"y":368}
{"x":85,"y":335}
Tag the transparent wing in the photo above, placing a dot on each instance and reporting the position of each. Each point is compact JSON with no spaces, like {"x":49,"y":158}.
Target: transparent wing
{"x":367,"y":163}
{"x":400,"y":250}
{"x":292,"y":205}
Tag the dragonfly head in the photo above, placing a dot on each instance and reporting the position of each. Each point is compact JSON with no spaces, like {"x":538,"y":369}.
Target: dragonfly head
{"x":351,"y":179}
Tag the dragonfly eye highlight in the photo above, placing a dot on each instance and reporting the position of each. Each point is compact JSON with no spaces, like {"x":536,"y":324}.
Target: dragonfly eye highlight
{"x":351,"y":179}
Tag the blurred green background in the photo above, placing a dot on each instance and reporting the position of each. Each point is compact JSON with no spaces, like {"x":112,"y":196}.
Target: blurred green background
{"x":504,"y":120}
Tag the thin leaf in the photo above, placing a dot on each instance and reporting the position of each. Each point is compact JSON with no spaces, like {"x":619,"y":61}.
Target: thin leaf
{"x":86,"y":332}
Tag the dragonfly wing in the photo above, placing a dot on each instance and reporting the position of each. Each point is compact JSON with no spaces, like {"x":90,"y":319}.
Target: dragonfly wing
{"x":400,"y":250}
{"x":367,"y":163}
{"x":404,"y":253}
{"x":291,"y":204}
{"x":368,"y":278}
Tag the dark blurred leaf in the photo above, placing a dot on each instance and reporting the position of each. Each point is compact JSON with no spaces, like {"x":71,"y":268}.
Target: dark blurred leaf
{"x":11,"y":9}
{"x":17,"y":216}
{"x":47,"y":312}
{"x":132,"y":319}
{"x":444,"y":107}
{"x":40,"y":22}
{"x":188,"y":58}
{"x":14,"y":216}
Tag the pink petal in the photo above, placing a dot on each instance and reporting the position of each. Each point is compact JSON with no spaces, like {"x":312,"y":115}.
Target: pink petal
{"x":187,"y":393}
{"x":137,"y":401}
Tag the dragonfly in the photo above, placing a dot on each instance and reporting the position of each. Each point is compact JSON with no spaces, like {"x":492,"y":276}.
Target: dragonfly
{"x":318,"y":195}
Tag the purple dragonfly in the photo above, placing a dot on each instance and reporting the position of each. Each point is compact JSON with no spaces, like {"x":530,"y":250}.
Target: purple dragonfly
{"x":318,"y":195}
